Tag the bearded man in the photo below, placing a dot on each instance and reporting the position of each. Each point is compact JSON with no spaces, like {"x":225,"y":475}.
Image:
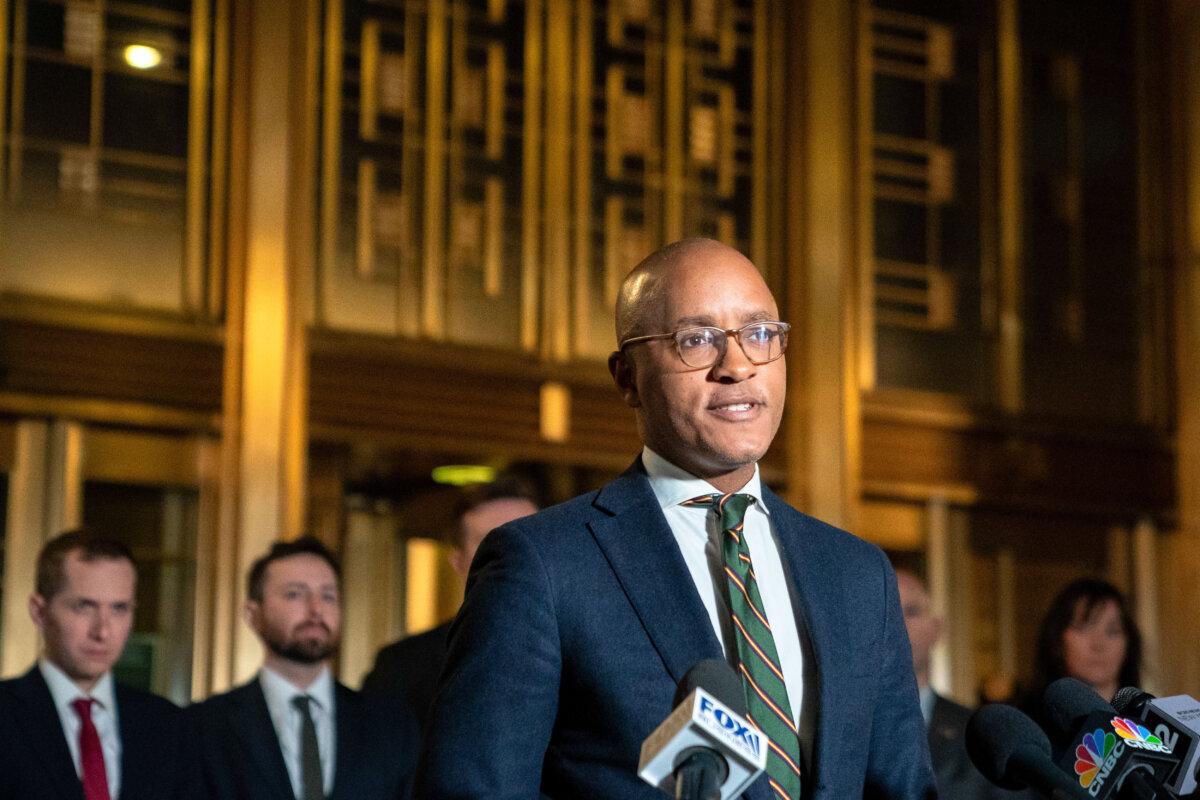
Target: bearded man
{"x":293,"y":732}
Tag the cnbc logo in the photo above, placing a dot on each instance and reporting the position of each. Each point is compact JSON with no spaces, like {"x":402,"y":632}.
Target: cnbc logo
{"x":1138,"y":736}
{"x":1094,"y":758}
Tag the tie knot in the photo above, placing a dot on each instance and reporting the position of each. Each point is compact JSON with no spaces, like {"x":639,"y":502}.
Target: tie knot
{"x":303,"y":703}
{"x":83,"y":707}
{"x":731,"y":508}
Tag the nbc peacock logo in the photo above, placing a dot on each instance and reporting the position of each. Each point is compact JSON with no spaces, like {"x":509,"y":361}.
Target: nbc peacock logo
{"x":1091,"y":753}
{"x":1138,"y":736}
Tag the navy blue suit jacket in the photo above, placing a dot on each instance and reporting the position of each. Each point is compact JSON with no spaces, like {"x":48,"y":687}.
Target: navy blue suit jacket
{"x":157,"y":759}
{"x":580,"y":620}
{"x":375,"y":751}
{"x":406,"y":672}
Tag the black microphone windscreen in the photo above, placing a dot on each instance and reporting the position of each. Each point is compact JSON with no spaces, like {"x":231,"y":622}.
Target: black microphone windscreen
{"x":1130,"y":700}
{"x":1066,"y":703}
{"x":718,"y":679}
{"x":999,"y":739}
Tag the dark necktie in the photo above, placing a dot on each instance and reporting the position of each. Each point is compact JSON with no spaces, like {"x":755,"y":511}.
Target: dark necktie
{"x":91,"y":755}
{"x":312,"y":779}
{"x":758,"y":660}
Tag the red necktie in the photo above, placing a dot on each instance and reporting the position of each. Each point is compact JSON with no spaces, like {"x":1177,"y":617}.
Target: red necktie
{"x":91,"y":756}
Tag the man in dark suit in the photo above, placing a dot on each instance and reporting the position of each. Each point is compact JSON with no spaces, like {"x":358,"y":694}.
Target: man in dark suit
{"x":579,"y":621}
{"x":955,"y":775}
{"x":406,"y":671}
{"x":68,"y":731}
{"x":293,"y":733}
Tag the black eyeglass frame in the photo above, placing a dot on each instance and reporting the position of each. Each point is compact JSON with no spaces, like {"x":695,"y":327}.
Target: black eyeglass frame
{"x":736,"y":333}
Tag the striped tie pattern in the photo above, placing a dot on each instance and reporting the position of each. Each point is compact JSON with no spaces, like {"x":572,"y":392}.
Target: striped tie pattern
{"x":758,"y":660}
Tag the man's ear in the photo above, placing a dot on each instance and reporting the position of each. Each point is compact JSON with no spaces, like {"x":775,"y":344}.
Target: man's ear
{"x":37,"y":610}
{"x":621,"y":370}
{"x":458,"y":562}
{"x":251,"y":613}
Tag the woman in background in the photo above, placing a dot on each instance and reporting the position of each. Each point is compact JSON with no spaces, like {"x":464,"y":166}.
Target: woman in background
{"x":1089,"y":634}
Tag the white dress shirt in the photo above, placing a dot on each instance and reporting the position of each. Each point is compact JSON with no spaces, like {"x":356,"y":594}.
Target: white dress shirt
{"x":698,"y":533}
{"x":286,"y":719}
{"x":104,"y":716}
{"x":927,"y":698}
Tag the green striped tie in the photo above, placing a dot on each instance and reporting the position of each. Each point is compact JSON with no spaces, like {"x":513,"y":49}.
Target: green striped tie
{"x":758,"y":660}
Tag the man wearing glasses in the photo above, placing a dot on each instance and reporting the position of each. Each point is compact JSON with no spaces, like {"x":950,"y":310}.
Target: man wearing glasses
{"x":580,"y":620}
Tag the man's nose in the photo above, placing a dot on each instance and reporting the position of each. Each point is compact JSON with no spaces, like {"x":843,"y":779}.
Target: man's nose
{"x":101,"y":625}
{"x":733,"y":365}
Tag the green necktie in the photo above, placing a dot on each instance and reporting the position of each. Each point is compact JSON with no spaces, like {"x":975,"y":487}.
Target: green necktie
{"x":758,"y":660}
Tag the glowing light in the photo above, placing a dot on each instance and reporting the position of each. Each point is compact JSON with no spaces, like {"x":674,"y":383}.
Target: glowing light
{"x":142,"y":56}
{"x":463,"y":474}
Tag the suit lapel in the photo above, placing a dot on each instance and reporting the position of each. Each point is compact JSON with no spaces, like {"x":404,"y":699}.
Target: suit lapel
{"x":134,"y":767}
{"x":45,"y":735}
{"x":643,"y":554}
{"x":346,"y":755}
{"x":808,"y":570}
{"x":253,"y":725}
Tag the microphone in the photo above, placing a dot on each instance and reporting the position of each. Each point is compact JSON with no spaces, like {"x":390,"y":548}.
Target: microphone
{"x":1112,"y":757}
{"x":1176,"y":721}
{"x":1013,"y":752}
{"x":705,"y":749}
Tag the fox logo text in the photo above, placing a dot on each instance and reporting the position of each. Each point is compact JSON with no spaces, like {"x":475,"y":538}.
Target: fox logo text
{"x":747,"y":736}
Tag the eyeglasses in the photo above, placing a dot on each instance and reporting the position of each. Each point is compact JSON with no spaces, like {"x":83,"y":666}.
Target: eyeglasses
{"x":701,"y":347}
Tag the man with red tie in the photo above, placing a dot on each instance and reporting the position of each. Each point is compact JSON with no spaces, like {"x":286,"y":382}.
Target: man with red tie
{"x":68,"y":731}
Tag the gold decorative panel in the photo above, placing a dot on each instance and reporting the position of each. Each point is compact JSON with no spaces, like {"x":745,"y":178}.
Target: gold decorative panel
{"x":931,"y":283}
{"x":104,"y":151}
{"x":491,"y":170}
{"x":913,"y":170}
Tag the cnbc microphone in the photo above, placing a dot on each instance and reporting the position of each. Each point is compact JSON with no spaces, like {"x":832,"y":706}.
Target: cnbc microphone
{"x":1176,"y":722}
{"x":1012,"y":752}
{"x":1112,"y":757}
{"x":705,"y":749}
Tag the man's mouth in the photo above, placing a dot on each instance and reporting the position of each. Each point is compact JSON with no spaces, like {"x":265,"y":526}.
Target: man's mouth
{"x":735,"y":410}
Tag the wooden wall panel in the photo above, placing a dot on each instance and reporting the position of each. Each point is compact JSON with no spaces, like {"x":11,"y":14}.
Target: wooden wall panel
{"x":461,"y":400}
{"x":1125,"y":472}
{"x":42,"y":359}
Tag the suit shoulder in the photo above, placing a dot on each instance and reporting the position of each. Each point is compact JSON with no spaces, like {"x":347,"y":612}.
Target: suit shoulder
{"x":823,"y":534}
{"x":568,"y":514}
{"x":369,"y":711}
{"x":418,"y":643}
{"x":147,"y":702}
{"x":558,"y":529}
{"x":218,"y":705}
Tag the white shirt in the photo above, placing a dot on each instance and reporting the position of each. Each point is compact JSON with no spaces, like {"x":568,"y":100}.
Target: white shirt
{"x":927,"y":698}
{"x":698,"y":534}
{"x":104,"y":716}
{"x":286,"y":719}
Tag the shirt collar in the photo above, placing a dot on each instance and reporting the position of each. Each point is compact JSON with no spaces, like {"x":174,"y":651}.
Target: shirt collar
{"x":64,"y":690}
{"x":280,"y":690}
{"x":927,"y":700}
{"x":672,"y":485}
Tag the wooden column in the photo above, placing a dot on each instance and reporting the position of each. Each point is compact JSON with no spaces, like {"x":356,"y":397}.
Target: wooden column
{"x":822,"y":418}
{"x":1180,"y":551}
{"x":45,"y":497}
{"x":264,"y":419}
{"x":372,"y":603}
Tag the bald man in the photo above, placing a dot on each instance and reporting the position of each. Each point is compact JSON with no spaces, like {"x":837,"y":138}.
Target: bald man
{"x":946,"y":721}
{"x":579,"y":621}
